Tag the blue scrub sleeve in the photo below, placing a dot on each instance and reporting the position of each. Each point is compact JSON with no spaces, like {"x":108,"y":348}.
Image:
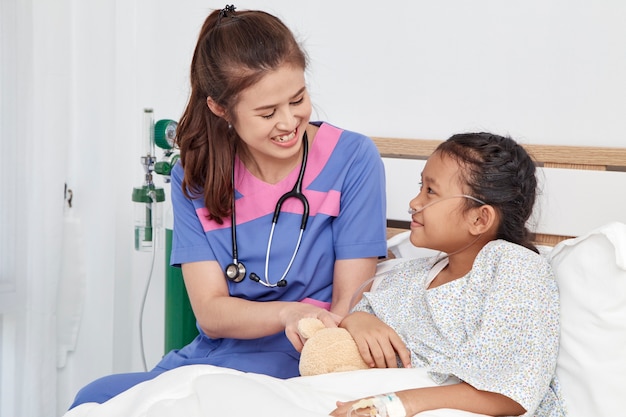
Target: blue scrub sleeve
{"x":189,"y":242}
{"x":363,"y":207}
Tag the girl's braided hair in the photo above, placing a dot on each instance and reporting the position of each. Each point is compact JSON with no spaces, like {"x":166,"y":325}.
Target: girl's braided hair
{"x":501,"y":173}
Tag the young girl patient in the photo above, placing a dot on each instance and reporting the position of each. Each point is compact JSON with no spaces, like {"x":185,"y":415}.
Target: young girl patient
{"x":486,"y":313}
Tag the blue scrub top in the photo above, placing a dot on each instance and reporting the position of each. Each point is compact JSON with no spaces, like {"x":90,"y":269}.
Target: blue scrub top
{"x":344,"y":183}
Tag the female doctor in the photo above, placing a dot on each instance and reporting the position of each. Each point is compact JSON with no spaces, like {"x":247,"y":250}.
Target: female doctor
{"x":275,"y":217}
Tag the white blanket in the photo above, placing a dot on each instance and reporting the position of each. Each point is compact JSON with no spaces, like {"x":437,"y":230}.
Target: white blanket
{"x":204,"y":390}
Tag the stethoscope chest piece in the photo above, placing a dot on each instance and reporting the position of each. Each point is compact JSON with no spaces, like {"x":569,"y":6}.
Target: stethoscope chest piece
{"x":236,"y":272}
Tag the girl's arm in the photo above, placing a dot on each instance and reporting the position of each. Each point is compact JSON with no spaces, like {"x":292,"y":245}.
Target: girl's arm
{"x":460,"y":396}
{"x":221,"y":315}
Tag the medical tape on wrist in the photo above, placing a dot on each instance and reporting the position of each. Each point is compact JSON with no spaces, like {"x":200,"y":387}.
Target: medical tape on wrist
{"x":386,"y":405}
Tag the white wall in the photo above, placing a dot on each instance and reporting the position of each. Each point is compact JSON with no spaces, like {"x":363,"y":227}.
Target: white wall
{"x":542,"y":71}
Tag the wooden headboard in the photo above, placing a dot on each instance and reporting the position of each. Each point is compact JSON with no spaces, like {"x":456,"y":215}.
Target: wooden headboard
{"x":596,"y":198}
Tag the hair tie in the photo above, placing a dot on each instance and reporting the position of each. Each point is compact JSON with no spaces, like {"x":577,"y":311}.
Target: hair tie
{"x":227,"y":11}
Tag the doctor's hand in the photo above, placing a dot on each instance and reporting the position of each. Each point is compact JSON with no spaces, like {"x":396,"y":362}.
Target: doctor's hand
{"x":379,"y":344}
{"x":291,"y":314}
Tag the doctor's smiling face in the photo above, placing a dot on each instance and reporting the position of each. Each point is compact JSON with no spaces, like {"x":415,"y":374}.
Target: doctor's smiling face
{"x":270,"y":117}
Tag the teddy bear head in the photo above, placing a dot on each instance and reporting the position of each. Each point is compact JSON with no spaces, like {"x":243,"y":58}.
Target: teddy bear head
{"x":327,"y":349}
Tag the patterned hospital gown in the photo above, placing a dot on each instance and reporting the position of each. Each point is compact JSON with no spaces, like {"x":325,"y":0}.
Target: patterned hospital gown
{"x":497,"y":328}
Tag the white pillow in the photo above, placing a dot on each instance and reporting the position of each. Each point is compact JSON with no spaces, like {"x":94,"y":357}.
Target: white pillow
{"x":591,"y":274}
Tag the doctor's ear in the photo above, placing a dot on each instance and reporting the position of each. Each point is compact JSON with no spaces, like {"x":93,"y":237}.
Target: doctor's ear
{"x":215,"y":108}
{"x":483,"y":219}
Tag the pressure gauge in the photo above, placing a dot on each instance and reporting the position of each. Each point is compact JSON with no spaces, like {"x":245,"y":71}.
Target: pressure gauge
{"x":165,"y":133}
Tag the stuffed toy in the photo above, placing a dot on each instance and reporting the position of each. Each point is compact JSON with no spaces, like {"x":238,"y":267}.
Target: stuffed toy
{"x":327,"y":349}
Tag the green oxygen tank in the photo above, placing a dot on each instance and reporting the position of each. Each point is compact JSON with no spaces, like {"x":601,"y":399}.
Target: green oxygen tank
{"x":180,"y":322}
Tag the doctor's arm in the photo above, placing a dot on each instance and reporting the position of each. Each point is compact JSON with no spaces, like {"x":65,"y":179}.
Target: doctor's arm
{"x":221,"y":315}
{"x":349,"y":276}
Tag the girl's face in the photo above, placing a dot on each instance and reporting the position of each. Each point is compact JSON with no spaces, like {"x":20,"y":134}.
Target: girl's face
{"x":272,"y":115}
{"x":443,"y":225}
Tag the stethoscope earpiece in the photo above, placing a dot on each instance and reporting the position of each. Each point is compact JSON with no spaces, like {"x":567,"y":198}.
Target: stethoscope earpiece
{"x":236,"y":272}
{"x":254,"y":277}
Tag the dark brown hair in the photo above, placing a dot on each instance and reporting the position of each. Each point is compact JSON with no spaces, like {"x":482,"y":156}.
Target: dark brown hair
{"x":234,"y":51}
{"x":499,"y":172}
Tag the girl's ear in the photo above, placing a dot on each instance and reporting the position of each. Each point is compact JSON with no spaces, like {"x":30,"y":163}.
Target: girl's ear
{"x":215,"y":108}
{"x":483,"y":219}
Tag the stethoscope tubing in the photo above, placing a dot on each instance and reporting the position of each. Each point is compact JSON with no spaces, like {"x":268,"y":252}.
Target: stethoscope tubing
{"x":295,"y":192}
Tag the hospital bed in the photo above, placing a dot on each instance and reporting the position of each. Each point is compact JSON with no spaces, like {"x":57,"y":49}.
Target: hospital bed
{"x":580,"y":220}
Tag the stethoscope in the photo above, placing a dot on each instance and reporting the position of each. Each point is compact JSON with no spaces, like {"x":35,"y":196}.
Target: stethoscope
{"x":236,"y":271}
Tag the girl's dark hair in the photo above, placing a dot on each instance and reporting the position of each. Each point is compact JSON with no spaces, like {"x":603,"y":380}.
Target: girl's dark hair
{"x":235,"y":49}
{"x":499,"y":172}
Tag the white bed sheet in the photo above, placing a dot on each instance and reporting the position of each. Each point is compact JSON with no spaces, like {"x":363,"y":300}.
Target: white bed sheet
{"x":205,"y":390}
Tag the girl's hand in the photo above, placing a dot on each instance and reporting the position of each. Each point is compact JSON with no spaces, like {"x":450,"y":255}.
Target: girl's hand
{"x":343,"y":409}
{"x":379,"y":344}
{"x":291,"y":314}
